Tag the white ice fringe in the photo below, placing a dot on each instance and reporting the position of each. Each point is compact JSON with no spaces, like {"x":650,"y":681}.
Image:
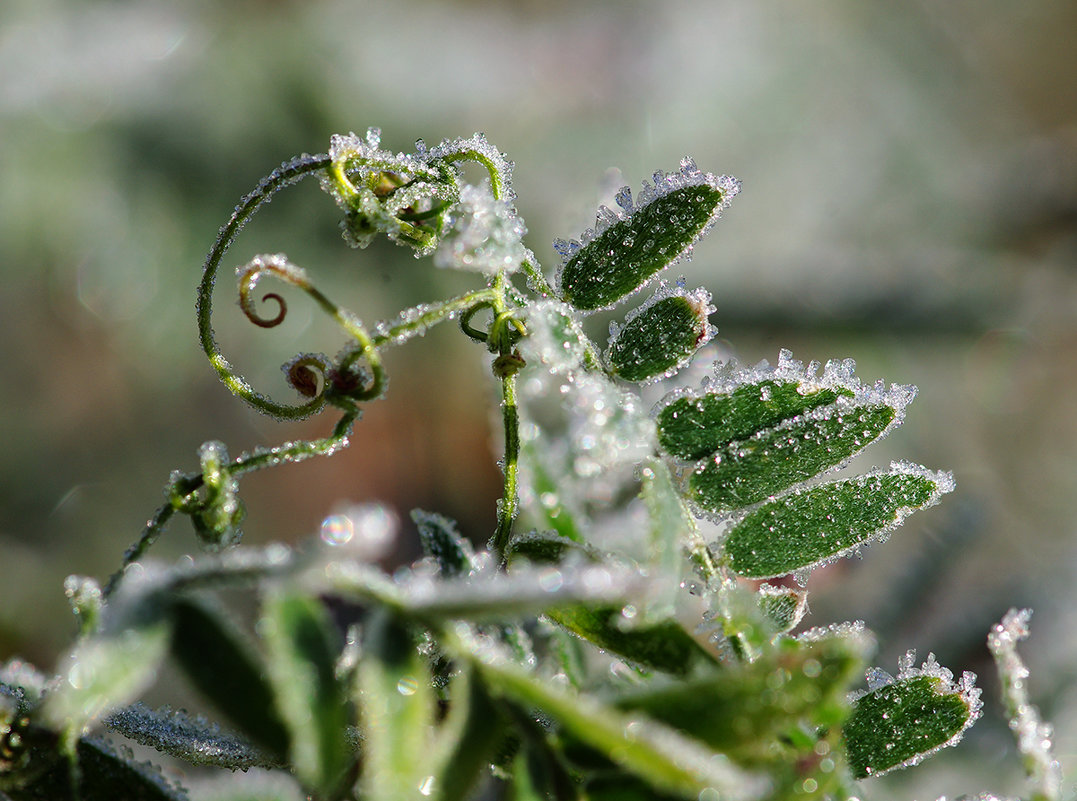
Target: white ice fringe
{"x":661,"y":184}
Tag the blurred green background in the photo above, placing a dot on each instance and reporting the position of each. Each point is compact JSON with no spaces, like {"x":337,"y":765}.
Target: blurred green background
{"x":909,"y":200}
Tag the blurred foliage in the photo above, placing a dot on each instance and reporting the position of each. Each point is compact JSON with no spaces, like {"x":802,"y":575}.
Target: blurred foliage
{"x":910,"y":200}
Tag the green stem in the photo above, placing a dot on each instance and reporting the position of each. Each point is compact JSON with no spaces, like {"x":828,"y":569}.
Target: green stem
{"x":153,"y":529}
{"x":286,"y":174}
{"x":537,"y":280}
{"x":508,"y":506}
{"x":417,"y":320}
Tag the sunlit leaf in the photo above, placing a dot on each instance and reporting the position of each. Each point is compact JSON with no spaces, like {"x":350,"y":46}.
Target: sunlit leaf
{"x":811,"y":526}
{"x":626,"y":251}
{"x":663,"y":645}
{"x":902,"y":721}
{"x":397,"y":709}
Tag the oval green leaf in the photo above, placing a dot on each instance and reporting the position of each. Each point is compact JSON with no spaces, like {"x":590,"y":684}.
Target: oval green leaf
{"x":660,"y":336}
{"x":632,"y":249}
{"x":808,"y":527}
{"x":691,"y":427}
{"x":752,"y":470}
{"x":904,"y":721}
{"x":302,"y":648}
{"x":663,"y":645}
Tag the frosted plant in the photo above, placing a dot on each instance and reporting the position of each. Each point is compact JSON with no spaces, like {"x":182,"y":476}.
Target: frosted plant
{"x":596,"y":642}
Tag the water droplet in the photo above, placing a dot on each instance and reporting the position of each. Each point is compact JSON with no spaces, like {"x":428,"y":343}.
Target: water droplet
{"x":407,"y":686}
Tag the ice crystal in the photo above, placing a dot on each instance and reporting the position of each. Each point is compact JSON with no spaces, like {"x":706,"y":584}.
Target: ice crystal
{"x":485,"y":234}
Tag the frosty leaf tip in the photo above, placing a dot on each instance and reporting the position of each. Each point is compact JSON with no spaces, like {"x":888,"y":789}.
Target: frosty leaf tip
{"x":628,"y":248}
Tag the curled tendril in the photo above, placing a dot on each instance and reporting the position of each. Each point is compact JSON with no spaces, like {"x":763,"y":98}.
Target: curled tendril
{"x":251,"y":273}
{"x":352,"y":381}
{"x":307,"y":372}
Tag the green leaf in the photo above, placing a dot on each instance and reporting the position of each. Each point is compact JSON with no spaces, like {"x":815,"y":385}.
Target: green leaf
{"x":104,"y":775}
{"x":903,"y":721}
{"x":110,"y":668}
{"x":815,"y":525}
{"x":551,"y":505}
{"x":466,"y":741}
{"x":397,"y":706}
{"x":222,"y":664}
{"x":661,"y":335}
{"x":752,"y":470}
{"x":655,"y":753}
{"x":628,"y":251}
{"x":691,"y":427}
{"x":441,"y":541}
{"x":745,"y":710}
{"x":302,"y":649}
{"x":663,"y":645}
{"x":783,"y":607}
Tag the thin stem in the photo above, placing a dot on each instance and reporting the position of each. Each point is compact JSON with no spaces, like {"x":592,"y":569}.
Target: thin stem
{"x":153,"y":529}
{"x":244,"y":463}
{"x":508,"y":506}
{"x":536,"y":279}
{"x":506,"y":366}
{"x":416,"y":320}
{"x":288,"y":173}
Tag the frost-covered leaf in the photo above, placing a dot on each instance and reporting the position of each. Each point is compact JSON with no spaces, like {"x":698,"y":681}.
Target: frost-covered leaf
{"x":659,"y":645}
{"x":302,"y":651}
{"x":112,"y":667}
{"x":195,"y":740}
{"x":628,"y":248}
{"x":484,"y":234}
{"x":661,"y":335}
{"x":554,"y":337}
{"x":106,"y":773}
{"x":899,"y":722}
{"x":664,"y":758}
{"x":444,"y":544}
{"x":551,"y":506}
{"x":752,"y":470}
{"x":397,"y":712}
{"x":488,"y":596}
{"x":811,"y":526}
{"x":740,"y":403}
{"x":745,"y":710}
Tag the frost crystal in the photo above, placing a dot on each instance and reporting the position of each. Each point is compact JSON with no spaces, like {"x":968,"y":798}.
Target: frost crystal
{"x":476,"y":148}
{"x":485,"y":234}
